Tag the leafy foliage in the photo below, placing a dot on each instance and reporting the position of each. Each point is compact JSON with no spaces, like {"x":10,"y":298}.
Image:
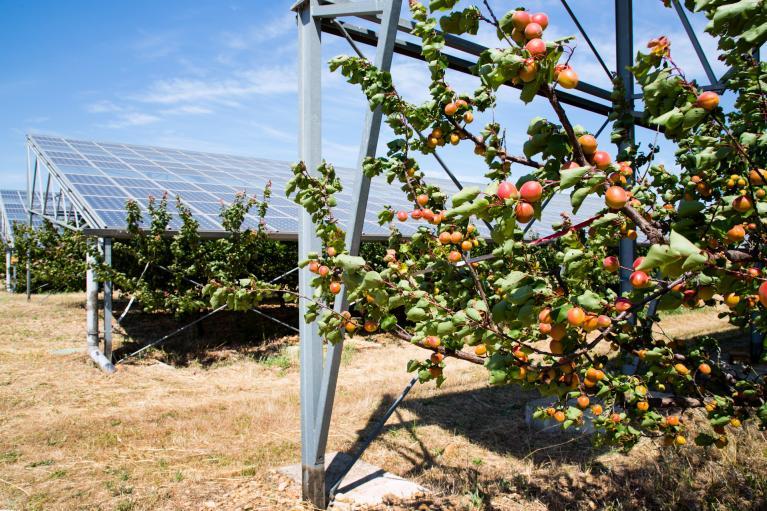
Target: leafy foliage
{"x":546,"y":313}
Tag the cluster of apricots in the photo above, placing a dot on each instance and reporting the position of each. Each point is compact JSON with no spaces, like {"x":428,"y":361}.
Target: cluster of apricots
{"x":576,"y":318}
{"x":422,"y":212}
{"x":456,"y":237}
{"x":528,"y":194}
{"x":528,"y":32}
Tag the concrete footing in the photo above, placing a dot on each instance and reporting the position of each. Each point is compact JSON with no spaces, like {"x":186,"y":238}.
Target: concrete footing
{"x":365,"y":484}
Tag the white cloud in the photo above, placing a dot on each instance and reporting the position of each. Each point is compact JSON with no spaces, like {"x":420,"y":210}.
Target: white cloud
{"x":264,"y":81}
{"x":188,"y":110}
{"x":270,"y":29}
{"x":102,"y":107}
{"x":132,"y":119}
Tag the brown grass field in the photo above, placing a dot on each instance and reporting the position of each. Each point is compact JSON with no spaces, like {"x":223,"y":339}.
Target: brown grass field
{"x":205,"y":427}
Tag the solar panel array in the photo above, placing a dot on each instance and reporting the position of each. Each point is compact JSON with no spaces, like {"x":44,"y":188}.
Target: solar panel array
{"x":12,"y":210}
{"x":105,"y":175}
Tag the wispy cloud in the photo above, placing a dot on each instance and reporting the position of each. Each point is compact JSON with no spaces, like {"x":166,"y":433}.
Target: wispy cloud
{"x":187,"y":110}
{"x":270,"y":29}
{"x":132,"y":119}
{"x":263,"y":81}
{"x":156,"y":45}
{"x":103,"y":107}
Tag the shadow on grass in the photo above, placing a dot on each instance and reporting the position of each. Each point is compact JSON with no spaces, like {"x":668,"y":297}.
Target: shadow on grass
{"x":564,"y":472}
{"x":210,"y":340}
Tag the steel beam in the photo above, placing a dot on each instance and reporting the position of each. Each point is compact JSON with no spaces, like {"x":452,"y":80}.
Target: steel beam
{"x":695,"y":42}
{"x":624,"y":49}
{"x":106,"y":248}
{"x":92,"y":314}
{"x":31,"y":177}
{"x":370,"y":134}
{"x":8,"y":269}
{"x":412,"y":50}
{"x":310,"y":152}
{"x":362,"y":8}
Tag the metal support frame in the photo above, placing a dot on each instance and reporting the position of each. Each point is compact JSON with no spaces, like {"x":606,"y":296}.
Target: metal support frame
{"x":92,"y":315}
{"x":8,"y":270}
{"x":624,"y":37}
{"x":319,"y":374}
{"x":106,"y":252}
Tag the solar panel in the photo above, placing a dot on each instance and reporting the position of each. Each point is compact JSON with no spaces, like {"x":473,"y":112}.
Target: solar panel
{"x":13,"y":210}
{"x":105,"y":175}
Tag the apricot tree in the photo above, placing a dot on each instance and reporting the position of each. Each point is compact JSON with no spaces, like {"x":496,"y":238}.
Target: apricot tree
{"x":546,"y":313}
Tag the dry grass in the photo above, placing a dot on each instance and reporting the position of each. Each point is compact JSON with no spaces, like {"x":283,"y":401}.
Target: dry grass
{"x":206,"y":431}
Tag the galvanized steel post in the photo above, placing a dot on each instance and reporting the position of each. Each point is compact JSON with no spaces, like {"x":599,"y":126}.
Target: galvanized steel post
{"x":92,"y":314}
{"x":310,"y":152}
{"x":8,"y":269}
{"x":624,"y":48}
{"x":106,"y":247}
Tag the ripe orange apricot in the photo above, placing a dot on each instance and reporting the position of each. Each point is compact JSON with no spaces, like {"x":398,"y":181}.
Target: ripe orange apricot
{"x":402,"y":216}
{"x":454,"y":256}
{"x":555,"y":347}
{"x":545,"y":315}
{"x":435,"y":371}
{"x":601,"y":159}
{"x":588,"y":144}
{"x":611,"y":264}
{"x":533,"y":31}
{"x":480,"y":350}
{"x":639,"y":279}
{"x":536,"y":47}
{"x":466,"y":245}
{"x":576,"y":316}
{"x":568,"y":78}
{"x":529,"y":71}
{"x":603,"y":321}
{"x":643,"y":406}
{"x":558,"y":332}
{"x":335,"y":287}
{"x":314,"y":266}
{"x":736,"y":234}
{"x":704,"y":369}
{"x":456,"y":237}
{"x":762,"y":294}
{"x":451,"y":109}
{"x":507,"y":190}
{"x":541,"y":19}
{"x":708,"y":100}
{"x":583,"y":401}
{"x":370,"y":326}
{"x":531,"y":191}
{"x":432,"y":341}
{"x":323,"y":271}
{"x":596,"y":409}
{"x":436,"y":358}
{"x":444,"y":237}
{"x":524,"y":212}
{"x":742,"y":204}
{"x":756,"y":176}
{"x":681,"y":369}
{"x":520,"y":19}
{"x":622,"y":304}
{"x":616,"y":197}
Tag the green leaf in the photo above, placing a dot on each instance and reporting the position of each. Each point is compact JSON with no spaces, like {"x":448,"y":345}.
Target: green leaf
{"x":466,"y":195}
{"x":571,"y":177}
{"x":372,"y":280}
{"x":682,"y":245}
{"x":441,"y":5}
{"x":591,"y":301}
{"x":578,"y":196}
{"x":694,"y":262}
{"x":416,"y":314}
{"x":657,"y":257}
{"x":350,"y":263}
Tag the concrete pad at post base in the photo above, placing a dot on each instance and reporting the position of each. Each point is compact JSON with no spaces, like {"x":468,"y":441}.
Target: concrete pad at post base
{"x":365,"y":484}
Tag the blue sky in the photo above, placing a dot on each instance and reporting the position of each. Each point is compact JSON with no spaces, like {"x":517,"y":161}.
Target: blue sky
{"x":220,"y":76}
